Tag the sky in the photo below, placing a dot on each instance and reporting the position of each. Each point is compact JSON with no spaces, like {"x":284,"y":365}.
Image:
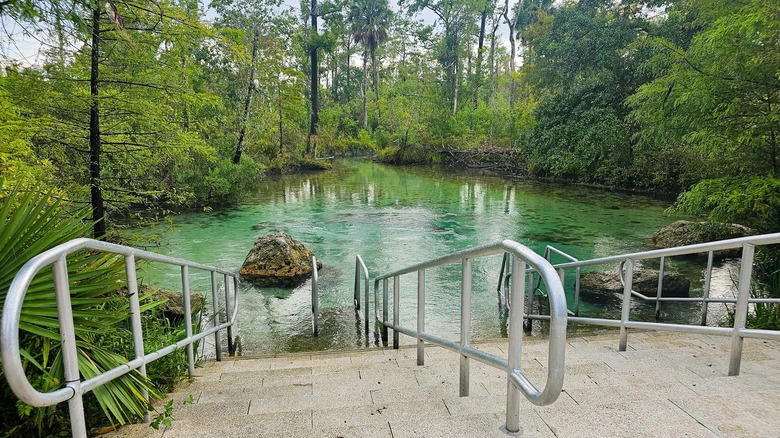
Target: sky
{"x":16,"y":46}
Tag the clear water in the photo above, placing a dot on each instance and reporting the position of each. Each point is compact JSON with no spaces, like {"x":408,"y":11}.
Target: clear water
{"x":394,"y":217}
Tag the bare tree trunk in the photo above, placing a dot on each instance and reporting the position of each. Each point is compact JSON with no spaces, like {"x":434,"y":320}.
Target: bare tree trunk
{"x":185,"y":112}
{"x":511,"y":24}
{"x":364,"y":116}
{"x":248,"y":99}
{"x":315,"y":82}
{"x":455,"y":87}
{"x":456,"y":74}
{"x":95,"y":146}
{"x":375,"y":80}
{"x":480,"y":50}
{"x":496,"y":22}
{"x":279,"y":104}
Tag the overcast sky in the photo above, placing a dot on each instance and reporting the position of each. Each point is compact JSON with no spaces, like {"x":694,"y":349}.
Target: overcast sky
{"x":24,"y":49}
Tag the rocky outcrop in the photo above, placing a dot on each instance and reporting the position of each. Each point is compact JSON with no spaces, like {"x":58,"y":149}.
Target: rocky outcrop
{"x":682,"y":233}
{"x":173,"y":302}
{"x":173,"y":307}
{"x":645,"y":282}
{"x":278,"y":260}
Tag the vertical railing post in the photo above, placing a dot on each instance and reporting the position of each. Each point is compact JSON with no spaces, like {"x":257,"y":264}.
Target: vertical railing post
{"x":740,"y":314}
{"x":357,"y":283}
{"x":215,"y":315}
{"x":227,"y":280}
{"x":396,"y":308}
{"x":707,"y":285}
{"x":315,"y":296}
{"x":185,"y":291}
{"x":465,"y":325}
{"x":366,"y":314}
{"x":562,"y":276}
{"x":385,"y":304}
{"x":515,"y":346}
{"x":628,"y":284}
{"x":528,"y":298}
{"x":577,"y":293}
{"x":660,"y":289}
{"x":70,"y":359}
{"x":135,"y":320}
{"x":420,"y":316}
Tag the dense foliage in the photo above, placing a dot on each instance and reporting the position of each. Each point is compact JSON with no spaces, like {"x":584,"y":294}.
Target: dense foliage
{"x":30,"y":223}
{"x":178,"y":103}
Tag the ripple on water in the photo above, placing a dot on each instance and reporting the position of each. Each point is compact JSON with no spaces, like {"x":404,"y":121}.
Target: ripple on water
{"x":395,"y":217}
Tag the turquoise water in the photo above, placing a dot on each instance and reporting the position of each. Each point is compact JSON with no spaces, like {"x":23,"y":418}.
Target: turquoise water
{"x":394,"y":217}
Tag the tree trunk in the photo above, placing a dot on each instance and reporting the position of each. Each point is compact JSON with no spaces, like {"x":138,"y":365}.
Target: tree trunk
{"x":492,"y":73}
{"x":455,"y":70}
{"x":279,"y":104}
{"x":315,"y":82}
{"x":248,"y":100}
{"x":493,"y":63}
{"x":364,"y":116}
{"x":347,"y":78}
{"x":95,"y":146}
{"x":455,"y":87}
{"x":480,"y":50}
{"x":185,"y":113}
{"x":375,"y":80}
{"x":511,"y":24}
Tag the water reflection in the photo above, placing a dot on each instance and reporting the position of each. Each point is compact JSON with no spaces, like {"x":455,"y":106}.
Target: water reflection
{"x":394,"y":217}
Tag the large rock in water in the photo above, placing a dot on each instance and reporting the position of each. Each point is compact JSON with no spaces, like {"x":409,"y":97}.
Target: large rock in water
{"x":682,"y":233}
{"x":278,"y":260}
{"x":645,"y":282}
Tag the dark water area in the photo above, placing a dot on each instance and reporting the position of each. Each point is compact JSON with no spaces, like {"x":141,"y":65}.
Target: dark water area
{"x":394,"y":217}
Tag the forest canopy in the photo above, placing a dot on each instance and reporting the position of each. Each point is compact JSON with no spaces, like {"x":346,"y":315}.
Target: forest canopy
{"x":149,"y":106}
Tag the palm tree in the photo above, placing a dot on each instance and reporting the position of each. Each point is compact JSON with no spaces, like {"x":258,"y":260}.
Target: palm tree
{"x":30,"y":224}
{"x":369,"y":21}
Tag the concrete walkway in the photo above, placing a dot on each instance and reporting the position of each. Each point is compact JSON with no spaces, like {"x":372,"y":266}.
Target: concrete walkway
{"x":665,"y":385}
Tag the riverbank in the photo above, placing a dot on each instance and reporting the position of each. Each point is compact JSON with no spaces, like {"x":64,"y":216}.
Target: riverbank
{"x":508,"y":163}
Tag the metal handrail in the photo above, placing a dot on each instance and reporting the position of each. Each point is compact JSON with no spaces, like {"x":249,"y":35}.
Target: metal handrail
{"x":764,"y":239}
{"x":522,"y":256}
{"x":737,"y":332}
{"x":315,"y":297}
{"x":361,"y":266}
{"x":548,"y":253}
{"x":75,"y":388}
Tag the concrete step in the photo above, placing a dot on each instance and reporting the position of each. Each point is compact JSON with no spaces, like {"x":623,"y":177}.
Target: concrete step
{"x":664,"y":385}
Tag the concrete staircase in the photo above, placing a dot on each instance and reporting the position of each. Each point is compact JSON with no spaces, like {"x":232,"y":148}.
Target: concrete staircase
{"x":665,"y":385}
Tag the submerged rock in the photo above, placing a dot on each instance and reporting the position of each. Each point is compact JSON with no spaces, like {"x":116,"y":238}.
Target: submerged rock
{"x":278,"y":260}
{"x":645,"y":282}
{"x":682,"y":233}
{"x":173,"y":302}
{"x":173,"y":307}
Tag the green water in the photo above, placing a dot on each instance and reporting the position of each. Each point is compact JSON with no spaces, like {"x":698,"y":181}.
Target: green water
{"x":394,"y":217}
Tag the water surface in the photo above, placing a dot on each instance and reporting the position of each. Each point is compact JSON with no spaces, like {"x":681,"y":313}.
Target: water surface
{"x":394,"y":217}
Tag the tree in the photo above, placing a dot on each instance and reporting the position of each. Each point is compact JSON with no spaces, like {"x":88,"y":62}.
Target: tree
{"x":315,"y":80}
{"x":454,"y":16}
{"x":31,"y":223}
{"x":246,"y":17}
{"x":370,"y":20}
{"x":716,"y":102}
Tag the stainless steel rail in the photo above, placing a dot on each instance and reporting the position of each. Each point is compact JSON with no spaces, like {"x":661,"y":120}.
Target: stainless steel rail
{"x":360,"y":268}
{"x":628,"y":261}
{"x":517,"y":382}
{"x":315,"y":297}
{"x":75,"y":388}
